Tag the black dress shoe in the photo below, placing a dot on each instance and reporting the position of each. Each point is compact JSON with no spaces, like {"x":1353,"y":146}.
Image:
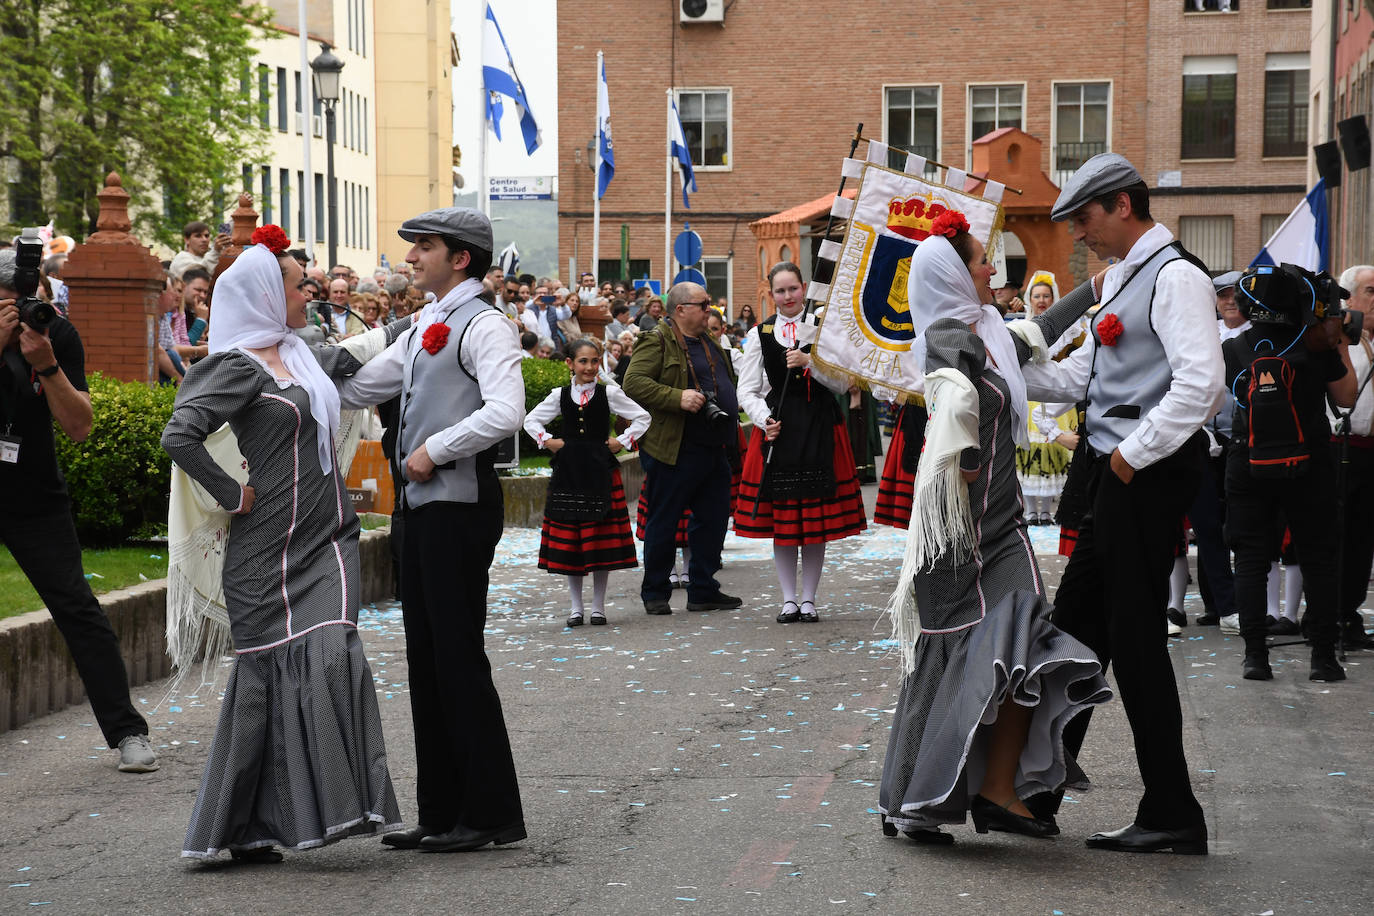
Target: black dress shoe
{"x":1284,"y":627}
{"x":657,"y":606}
{"x":791,"y":612}
{"x":598,"y":620}
{"x":929,"y":836}
{"x":1188,"y":841}
{"x":407,"y":839}
{"x":258,"y":855}
{"x":575,"y":620}
{"x":809,"y":616}
{"x":1176,"y":617}
{"x":464,"y":839}
{"x":717,"y":602}
{"x":1325,"y":667}
{"x":1256,"y":667}
{"x":988,"y":815}
{"x":1209,"y":619}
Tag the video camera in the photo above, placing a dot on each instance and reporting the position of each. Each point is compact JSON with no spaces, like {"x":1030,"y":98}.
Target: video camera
{"x":28,"y":258}
{"x":1293,"y":296}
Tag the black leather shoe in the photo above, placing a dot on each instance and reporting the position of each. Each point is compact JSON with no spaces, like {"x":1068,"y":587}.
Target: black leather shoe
{"x":717,"y":602}
{"x":929,"y":836}
{"x":809,"y":616}
{"x":657,"y":606}
{"x":989,"y":815}
{"x":1284,"y":627}
{"x":1176,"y":617}
{"x":1325,"y":667}
{"x":1356,"y":637}
{"x":575,"y":620}
{"x":258,"y":855}
{"x":464,"y":839}
{"x":407,"y":839}
{"x":1256,"y":667}
{"x":598,"y":620}
{"x":1188,"y":841}
{"x":792,"y":615}
{"x":1209,"y":619}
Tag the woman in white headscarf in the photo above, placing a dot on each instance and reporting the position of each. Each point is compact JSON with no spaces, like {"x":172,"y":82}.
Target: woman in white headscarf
{"x":990,"y":683}
{"x":298,"y":758}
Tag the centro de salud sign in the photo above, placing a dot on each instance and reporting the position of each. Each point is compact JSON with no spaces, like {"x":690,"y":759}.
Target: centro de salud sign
{"x":537,"y":188}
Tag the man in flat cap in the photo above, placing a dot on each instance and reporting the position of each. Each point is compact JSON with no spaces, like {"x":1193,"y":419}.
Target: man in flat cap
{"x":1151,"y":372}
{"x":458,"y":372}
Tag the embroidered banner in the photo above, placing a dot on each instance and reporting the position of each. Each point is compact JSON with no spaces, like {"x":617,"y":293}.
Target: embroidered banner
{"x":865,"y":332}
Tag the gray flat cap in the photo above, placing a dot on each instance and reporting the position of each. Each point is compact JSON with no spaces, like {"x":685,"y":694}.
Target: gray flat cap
{"x":1225,"y":280}
{"x":1101,"y":174}
{"x":461,"y":223}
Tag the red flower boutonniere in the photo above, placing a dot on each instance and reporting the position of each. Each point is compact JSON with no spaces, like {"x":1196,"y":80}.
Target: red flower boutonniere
{"x":436,"y":337}
{"x":1109,"y":330}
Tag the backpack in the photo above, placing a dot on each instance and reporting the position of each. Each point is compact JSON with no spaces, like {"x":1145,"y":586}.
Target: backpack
{"x":1277,"y":445}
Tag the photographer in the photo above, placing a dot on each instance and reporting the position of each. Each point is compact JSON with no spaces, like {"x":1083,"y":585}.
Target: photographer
{"x":1280,"y":372}
{"x":42,"y":378}
{"x":681,"y":376}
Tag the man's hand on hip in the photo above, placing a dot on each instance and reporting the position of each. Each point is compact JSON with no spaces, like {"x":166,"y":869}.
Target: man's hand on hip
{"x":419,"y":467}
{"x":1120,"y":468}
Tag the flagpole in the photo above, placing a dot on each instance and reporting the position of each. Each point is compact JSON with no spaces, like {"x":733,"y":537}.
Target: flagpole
{"x":483,"y":185}
{"x":307,"y":135}
{"x":668,"y":195}
{"x":596,"y":181}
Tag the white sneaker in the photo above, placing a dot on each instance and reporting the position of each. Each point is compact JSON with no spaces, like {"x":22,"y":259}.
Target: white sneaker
{"x":1172,"y":628}
{"x":1230,"y":624}
{"x":136,"y":755}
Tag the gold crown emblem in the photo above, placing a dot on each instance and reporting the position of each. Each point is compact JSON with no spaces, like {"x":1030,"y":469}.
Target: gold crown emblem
{"x":912,"y":216}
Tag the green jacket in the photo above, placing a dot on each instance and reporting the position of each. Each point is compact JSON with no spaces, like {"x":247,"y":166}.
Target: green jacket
{"x":657,"y":376}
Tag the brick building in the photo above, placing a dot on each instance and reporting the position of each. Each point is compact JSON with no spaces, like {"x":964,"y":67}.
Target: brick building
{"x":770,"y":102}
{"x":1348,"y":30}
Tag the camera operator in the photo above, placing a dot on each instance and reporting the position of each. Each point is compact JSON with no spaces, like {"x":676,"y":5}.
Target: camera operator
{"x":676,"y":373}
{"x":1281,"y":371}
{"x":42,"y":378}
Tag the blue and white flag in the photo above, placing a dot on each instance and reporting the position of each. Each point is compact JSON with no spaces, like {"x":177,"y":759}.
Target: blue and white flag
{"x":677,"y":149}
{"x":1303,"y":237}
{"x":605,"y":149}
{"x":499,"y":78}
{"x":509,"y":260}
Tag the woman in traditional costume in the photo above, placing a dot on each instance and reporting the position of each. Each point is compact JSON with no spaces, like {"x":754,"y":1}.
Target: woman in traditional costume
{"x":298,"y":759}
{"x":808,"y":494}
{"x":989,"y":683}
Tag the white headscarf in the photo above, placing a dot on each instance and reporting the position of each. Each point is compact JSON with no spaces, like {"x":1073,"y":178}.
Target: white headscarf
{"x":250,"y":313}
{"x":940,"y":286}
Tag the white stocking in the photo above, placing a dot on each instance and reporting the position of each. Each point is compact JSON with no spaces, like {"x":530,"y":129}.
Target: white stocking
{"x":813,"y":560}
{"x":1292,"y":591}
{"x":575,"y":595}
{"x":1178,"y":583}
{"x":600,"y":578}
{"x":785,"y":559}
{"x":1272,"y":584}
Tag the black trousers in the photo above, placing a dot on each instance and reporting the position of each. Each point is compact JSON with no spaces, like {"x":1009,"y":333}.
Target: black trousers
{"x":1358,"y":543}
{"x":700,"y":481}
{"x":1113,"y":596}
{"x":465,"y":770}
{"x":1208,"y":517}
{"x":46,"y":549}
{"x":1253,"y":508}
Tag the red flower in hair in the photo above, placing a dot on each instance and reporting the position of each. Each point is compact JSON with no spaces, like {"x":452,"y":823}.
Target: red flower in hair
{"x":271,"y":236}
{"x":949,"y":224}
{"x":436,"y":336}
{"x":1109,"y":330}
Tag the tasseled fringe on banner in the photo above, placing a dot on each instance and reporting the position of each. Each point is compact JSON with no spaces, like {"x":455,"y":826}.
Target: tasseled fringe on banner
{"x":941,"y":518}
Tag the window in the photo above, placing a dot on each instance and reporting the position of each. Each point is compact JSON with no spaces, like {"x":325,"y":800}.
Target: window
{"x":1209,"y":108}
{"x":717,"y":273}
{"x":705,"y":117}
{"x":367,"y":217}
{"x":1269,"y":224}
{"x":319,"y":208}
{"x":264,"y":96}
{"x":364,"y":126}
{"x":1208,"y":237}
{"x":1285,"y":104}
{"x":1291,"y":5}
{"x":300,"y":202}
{"x":284,"y":177}
{"x":991,"y":107}
{"x":283,"y":124}
{"x":1213,"y":6}
{"x":248,"y":179}
{"x":266,"y":200}
{"x":913,"y":119}
{"x":1081,"y":119}
{"x":344,"y":223}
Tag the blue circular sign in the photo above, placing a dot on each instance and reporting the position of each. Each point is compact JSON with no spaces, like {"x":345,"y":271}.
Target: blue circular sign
{"x":690,"y":275}
{"x":687,"y":248}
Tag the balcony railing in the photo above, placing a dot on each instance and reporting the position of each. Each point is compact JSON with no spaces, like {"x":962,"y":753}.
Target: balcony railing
{"x":1069,"y":156}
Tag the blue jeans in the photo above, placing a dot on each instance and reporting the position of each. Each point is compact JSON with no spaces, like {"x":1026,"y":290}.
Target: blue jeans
{"x":700,"y":481}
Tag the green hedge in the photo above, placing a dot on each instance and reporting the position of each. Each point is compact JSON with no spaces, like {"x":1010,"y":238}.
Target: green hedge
{"x":541,"y":376}
{"x":120,"y":476}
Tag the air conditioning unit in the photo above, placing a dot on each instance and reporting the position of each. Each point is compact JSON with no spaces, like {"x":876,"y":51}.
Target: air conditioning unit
{"x":701,"y":11}
{"x":316,"y":124}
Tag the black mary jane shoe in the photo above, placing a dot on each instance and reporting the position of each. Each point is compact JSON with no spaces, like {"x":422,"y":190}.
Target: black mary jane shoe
{"x":791,"y":616}
{"x":258,"y":855}
{"x":575,"y":620}
{"x":598,"y":620}
{"x":809,"y":616}
{"x":465,"y":839}
{"x":988,"y":815}
{"x":1189,"y":841}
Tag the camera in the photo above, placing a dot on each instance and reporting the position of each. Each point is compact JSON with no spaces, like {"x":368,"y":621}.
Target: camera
{"x":28,"y":257}
{"x":1293,"y":296}
{"x":715,"y":415}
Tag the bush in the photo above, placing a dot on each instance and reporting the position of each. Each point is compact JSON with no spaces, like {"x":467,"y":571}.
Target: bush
{"x":119,"y":477}
{"x":541,"y":376}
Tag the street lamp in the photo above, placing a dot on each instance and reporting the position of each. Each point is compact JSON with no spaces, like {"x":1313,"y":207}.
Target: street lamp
{"x":328,"y":70}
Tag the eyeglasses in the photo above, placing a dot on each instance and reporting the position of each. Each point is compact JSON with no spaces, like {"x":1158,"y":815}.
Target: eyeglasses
{"x":704,"y":303}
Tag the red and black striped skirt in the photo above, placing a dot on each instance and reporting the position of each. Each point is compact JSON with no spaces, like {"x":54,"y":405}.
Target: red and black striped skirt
{"x":680,"y":541}
{"x":897,"y":488}
{"x":577,"y":548}
{"x":803,"y":521}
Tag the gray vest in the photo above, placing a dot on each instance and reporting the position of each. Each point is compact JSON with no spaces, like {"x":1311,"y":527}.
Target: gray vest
{"x":1130,"y":378}
{"x":438,"y":392}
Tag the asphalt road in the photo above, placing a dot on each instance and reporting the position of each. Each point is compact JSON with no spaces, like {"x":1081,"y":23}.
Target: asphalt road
{"x":723,"y":763}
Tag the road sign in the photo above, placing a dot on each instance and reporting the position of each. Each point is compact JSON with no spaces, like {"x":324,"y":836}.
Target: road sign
{"x":690,"y":275}
{"x":655,"y":286}
{"x":687,"y":248}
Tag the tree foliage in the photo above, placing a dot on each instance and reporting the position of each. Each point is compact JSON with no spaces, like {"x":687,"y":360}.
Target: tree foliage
{"x":158,"y":90}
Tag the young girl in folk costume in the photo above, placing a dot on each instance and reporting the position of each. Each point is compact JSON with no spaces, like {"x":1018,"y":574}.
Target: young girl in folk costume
{"x":807,"y":495}
{"x":896,"y":487}
{"x":1043,"y":465}
{"x":586,"y":526}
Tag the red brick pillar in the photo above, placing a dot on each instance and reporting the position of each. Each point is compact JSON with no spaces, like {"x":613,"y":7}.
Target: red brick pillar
{"x":115,"y":283}
{"x":245,"y":220}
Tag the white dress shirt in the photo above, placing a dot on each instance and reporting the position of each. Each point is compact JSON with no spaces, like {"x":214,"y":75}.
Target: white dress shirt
{"x":536,"y":318}
{"x":490,"y":353}
{"x":1362,"y":417}
{"x":621,"y":406}
{"x":753,"y":387}
{"x":1183,"y":312}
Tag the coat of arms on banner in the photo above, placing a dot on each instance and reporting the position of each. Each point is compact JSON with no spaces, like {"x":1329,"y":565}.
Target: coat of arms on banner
{"x":866,"y":331}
